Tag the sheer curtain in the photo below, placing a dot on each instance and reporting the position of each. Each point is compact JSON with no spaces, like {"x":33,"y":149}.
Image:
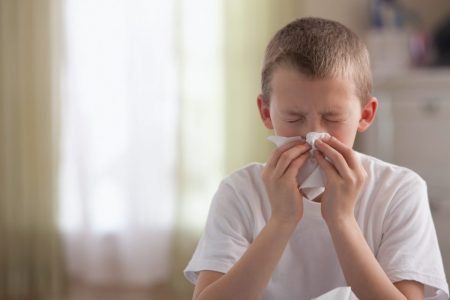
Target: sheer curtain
{"x":31,"y":265}
{"x":119,"y":140}
{"x":160,"y":103}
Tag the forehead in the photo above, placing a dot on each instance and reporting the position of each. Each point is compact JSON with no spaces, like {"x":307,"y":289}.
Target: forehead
{"x":290,"y":87}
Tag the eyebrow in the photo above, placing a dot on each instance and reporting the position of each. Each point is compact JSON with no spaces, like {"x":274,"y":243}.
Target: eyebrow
{"x":334,"y":111}
{"x":295,"y":113}
{"x":338,"y":109}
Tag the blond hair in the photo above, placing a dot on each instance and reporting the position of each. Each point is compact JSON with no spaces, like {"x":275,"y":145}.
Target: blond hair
{"x":319,"y":49}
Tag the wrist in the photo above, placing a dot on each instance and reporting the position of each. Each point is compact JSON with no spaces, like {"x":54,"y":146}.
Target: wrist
{"x":283,"y":224}
{"x":341,"y":222}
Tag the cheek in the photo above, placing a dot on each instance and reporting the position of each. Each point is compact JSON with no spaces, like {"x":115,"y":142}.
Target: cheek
{"x":286,"y":129}
{"x":346,"y":134}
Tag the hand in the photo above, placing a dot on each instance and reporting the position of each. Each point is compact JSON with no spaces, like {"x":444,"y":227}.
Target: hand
{"x":280,"y":178}
{"x":345,"y":179}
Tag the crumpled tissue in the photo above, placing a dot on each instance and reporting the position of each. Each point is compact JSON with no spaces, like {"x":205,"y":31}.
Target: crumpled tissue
{"x":310,"y":178}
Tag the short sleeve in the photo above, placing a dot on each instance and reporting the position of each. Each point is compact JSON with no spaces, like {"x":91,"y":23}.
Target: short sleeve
{"x":226,"y":236}
{"x":409,"y":249}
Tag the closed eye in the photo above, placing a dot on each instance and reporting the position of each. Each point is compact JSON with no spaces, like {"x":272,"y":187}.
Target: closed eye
{"x":333,"y":120}
{"x":334,"y":117}
{"x":295,"y":121}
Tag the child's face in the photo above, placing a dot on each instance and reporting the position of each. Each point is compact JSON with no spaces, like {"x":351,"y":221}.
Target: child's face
{"x":299,"y":105}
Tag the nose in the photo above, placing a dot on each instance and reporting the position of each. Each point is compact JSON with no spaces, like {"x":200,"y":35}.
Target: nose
{"x":315,"y":125}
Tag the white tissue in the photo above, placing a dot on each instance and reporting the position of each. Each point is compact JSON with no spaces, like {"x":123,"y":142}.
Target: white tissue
{"x":281,"y":140}
{"x":340,"y":293}
{"x":312,"y":137}
{"x":310,"y":178}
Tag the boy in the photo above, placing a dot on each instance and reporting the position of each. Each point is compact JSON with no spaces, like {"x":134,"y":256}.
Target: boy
{"x":370,"y":228}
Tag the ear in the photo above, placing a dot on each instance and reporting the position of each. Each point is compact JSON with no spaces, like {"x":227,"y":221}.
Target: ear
{"x":368,"y":113}
{"x":264,"y":112}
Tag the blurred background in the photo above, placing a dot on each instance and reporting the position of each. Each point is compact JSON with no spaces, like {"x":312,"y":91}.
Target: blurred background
{"x":119,"y":118}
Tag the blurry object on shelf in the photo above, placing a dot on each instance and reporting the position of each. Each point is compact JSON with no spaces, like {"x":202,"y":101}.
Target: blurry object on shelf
{"x":442,"y":43}
{"x":389,"y":14}
{"x":387,"y":40}
{"x":397,"y":40}
{"x":385,"y":14}
{"x":389,"y":51}
{"x":420,"y":48}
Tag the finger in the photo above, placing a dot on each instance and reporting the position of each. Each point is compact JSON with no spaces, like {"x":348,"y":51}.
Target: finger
{"x":347,"y":152}
{"x":295,"y":165}
{"x":275,"y":156}
{"x":325,"y":165}
{"x":288,"y":157}
{"x":337,"y":159}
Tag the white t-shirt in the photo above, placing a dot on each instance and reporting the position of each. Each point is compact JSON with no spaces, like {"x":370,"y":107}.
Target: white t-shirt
{"x":392,"y":211}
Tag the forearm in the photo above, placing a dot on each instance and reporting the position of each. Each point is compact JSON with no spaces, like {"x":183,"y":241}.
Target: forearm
{"x":248,"y":278}
{"x":361,"y":269}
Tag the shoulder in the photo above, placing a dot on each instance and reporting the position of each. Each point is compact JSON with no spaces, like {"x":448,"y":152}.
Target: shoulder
{"x":388,"y":174}
{"x":242,"y":193}
{"x":400,"y":229}
{"x":244,"y":181}
{"x":391,"y":190}
{"x":247,"y":173}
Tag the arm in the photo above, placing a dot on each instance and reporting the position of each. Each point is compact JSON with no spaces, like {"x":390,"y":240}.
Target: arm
{"x":248,"y":278}
{"x":345,"y":178}
{"x":361,"y":269}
